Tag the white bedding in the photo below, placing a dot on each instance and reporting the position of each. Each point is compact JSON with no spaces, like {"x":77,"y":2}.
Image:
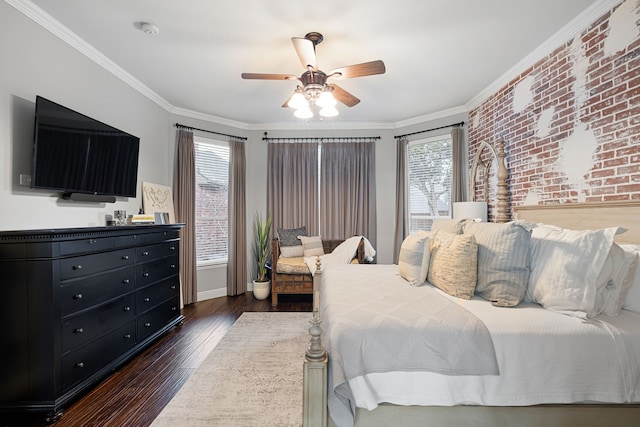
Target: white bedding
{"x":543,"y":356}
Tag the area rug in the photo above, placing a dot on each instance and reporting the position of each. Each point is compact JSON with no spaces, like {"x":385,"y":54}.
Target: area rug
{"x":253,"y":377}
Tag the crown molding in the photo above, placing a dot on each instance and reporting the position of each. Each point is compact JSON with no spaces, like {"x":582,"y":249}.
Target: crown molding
{"x":56,"y":28}
{"x":208,"y":118}
{"x":575,"y":26}
{"x":432,"y":116}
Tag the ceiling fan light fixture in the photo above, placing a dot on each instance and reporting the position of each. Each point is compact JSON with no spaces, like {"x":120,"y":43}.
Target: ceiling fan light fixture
{"x":303,"y":113}
{"x":329,"y":111}
{"x":298,"y":101}
{"x":326,"y":99}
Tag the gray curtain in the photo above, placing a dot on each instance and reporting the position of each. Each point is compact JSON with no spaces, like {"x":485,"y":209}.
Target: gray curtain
{"x":348,"y":190}
{"x":184,"y":200}
{"x":459,"y":187}
{"x":292,"y":185}
{"x":402,"y":220}
{"x":237,"y":262}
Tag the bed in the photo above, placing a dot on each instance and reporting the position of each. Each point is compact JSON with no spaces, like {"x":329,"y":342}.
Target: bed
{"x":554,"y":362}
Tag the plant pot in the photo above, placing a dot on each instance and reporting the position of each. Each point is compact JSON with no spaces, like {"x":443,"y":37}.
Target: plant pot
{"x":261,"y":290}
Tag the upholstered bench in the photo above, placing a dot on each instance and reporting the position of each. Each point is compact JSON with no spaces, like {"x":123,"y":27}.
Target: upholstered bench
{"x":292,"y":276}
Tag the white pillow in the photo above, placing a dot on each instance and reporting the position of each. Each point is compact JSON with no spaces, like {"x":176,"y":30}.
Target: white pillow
{"x":413,"y":263}
{"x":614,"y":280}
{"x":632,"y":300}
{"x":565,"y":266}
{"x":291,"y":251}
{"x":312,"y":245}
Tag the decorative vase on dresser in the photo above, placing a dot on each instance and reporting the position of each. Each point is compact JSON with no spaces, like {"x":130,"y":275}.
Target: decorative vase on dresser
{"x":79,"y":302}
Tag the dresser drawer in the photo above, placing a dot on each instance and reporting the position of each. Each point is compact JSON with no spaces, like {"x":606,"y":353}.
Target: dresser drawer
{"x":154,"y":320}
{"x":145,"y":238}
{"x":86,"y":361}
{"x":86,"y":245}
{"x":89,"y":264}
{"x":157,"y":270}
{"x":149,"y":297}
{"x":153,"y":252}
{"x":80,"y":294}
{"x":79,"y":330}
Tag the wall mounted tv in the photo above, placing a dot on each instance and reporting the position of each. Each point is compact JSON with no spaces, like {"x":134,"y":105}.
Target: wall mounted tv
{"x":81,"y":157}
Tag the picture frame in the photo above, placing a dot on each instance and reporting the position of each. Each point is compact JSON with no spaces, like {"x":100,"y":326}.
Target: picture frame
{"x":157,"y":199}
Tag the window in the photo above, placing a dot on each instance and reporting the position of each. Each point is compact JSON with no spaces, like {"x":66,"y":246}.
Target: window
{"x":212,"y":189}
{"x":429,"y":165}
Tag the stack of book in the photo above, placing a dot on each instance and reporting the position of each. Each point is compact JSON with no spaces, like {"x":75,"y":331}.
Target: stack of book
{"x":141,"y":219}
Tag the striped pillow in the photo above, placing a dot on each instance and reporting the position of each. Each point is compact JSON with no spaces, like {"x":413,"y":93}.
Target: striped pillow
{"x":413,"y":263}
{"x":312,"y":245}
{"x":503,"y":261}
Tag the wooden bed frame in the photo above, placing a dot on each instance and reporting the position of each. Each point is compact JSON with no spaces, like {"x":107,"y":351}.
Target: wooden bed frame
{"x":576,"y":216}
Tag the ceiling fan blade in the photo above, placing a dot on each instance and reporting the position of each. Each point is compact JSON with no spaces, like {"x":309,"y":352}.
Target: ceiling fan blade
{"x":343,"y":96}
{"x":306,"y":52}
{"x":267,"y":76}
{"x":360,"y":70}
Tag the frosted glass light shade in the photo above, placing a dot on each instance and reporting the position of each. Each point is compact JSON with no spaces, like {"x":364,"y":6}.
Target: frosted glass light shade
{"x":329,"y":111}
{"x":462,"y":210}
{"x":303,"y":113}
{"x":298,"y":101}
{"x":325,"y":99}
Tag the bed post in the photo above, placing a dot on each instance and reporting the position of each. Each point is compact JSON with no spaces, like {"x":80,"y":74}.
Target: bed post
{"x":314,"y":401}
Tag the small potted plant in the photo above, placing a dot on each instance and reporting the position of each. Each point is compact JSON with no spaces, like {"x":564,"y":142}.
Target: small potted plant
{"x":261,"y":250}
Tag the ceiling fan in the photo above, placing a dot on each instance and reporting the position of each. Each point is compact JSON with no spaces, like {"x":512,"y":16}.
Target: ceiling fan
{"x":314,"y":88}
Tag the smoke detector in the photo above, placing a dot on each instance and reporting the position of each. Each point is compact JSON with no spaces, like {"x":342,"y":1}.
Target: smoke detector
{"x":149,"y":28}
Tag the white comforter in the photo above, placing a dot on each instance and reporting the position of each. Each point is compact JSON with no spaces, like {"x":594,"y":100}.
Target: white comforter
{"x":543,"y":357}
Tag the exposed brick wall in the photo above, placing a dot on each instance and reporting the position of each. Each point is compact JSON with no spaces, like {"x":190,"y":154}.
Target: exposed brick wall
{"x":571,"y":122}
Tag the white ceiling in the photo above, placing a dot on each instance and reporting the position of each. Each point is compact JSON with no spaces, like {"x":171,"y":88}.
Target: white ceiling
{"x":439,"y":54}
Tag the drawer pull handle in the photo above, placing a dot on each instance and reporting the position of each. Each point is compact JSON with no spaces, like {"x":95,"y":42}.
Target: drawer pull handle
{"x":148,"y":324}
{"x":127,"y":336}
{"x":79,"y":365}
{"x":127,"y":308}
{"x":147,"y":299}
{"x":92,"y":241}
{"x":145,"y":274}
{"x":173,"y":287}
{"x":174,"y":308}
{"x":173,"y":248}
{"x":173,"y":266}
{"x":77,"y":296}
{"x":78,"y":330}
{"x":77,"y":267}
{"x":125,"y":257}
{"x":126,"y":281}
{"x":145,"y":253}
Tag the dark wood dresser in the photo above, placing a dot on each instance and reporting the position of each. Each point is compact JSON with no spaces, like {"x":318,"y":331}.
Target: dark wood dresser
{"x":78,"y":302}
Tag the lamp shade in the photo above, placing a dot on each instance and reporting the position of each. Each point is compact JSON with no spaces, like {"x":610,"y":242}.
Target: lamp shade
{"x":462,"y":210}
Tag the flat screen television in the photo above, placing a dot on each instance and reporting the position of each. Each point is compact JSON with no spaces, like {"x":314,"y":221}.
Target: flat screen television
{"x":75,"y":154}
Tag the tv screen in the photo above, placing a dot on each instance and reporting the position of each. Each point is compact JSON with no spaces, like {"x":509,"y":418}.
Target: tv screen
{"x":74,"y":153}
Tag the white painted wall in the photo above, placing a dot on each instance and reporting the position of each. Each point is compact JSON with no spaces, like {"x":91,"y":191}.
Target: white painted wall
{"x":35,"y":62}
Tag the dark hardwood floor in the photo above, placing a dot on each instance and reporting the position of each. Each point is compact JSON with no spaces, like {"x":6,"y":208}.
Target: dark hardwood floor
{"x":137,"y":392}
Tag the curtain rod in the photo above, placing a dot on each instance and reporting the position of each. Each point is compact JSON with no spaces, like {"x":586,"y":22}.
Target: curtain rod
{"x":178,"y":125}
{"x":429,"y":130}
{"x":321,"y":139}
